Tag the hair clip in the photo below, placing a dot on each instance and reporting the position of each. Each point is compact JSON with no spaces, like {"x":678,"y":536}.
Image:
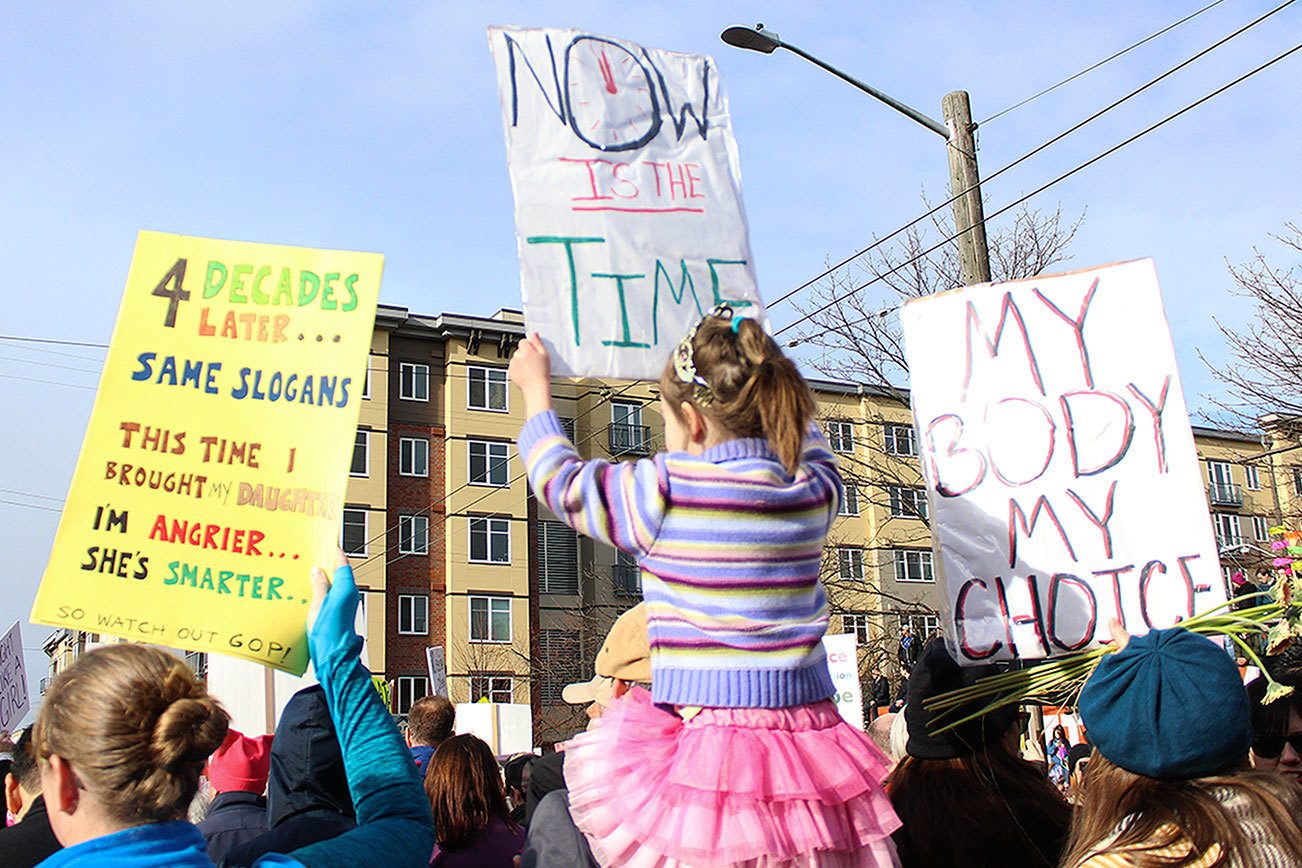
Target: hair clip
{"x":684,"y":361}
{"x":736,"y":323}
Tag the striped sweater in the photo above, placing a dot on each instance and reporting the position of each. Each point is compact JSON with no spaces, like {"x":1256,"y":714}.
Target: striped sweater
{"x":729,"y":545}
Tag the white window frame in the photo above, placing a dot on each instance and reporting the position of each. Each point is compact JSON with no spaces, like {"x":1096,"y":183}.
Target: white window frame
{"x":924,"y":565}
{"x":891,"y":438}
{"x":901,"y":496}
{"x":417,"y":612}
{"x":850,"y":502}
{"x":843,"y":440}
{"x":631,"y":415}
{"x":494,"y":687}
{"x":489,"y":601}
{"x":408,"y":685}
{"x":366,"y":383}
{"x":471,"y":371}
{"x":364,"y":435}
{"x":1251,"y":477}
{"x":413,"y":534}
{"x":1223,"y":520}
{"x":366,"y":530}
{"x":859,"y":624}
{"x":1218,"y":469}
{"x":1260,"y":528}
{"x":850,"y":557}
{"x":489,"y":523}
{"x":504,"y":465}
{"x":407,"y":459}
{"x":418,"y":372}
{"x":924,"y":626}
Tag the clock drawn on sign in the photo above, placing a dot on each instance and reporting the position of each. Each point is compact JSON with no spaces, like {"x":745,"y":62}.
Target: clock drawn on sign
{"x":612,"y":104}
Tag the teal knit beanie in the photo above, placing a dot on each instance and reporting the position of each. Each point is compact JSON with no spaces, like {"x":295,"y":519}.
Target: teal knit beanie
{"x":1171,"y":705}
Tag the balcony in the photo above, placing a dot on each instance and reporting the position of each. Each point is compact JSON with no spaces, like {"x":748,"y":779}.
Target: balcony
{"x":1225,"y":542}
{"x":629,"y":439}
{"x":628,"y":580}
{"x":1225,"y":494}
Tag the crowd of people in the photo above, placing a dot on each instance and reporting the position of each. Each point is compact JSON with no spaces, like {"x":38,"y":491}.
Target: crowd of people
{"x":712,"y":738}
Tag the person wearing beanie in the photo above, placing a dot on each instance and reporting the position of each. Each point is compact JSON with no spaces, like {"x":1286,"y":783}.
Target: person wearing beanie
{"x":238,"y":773}
{"x":1168,"y":783}
{"x":964,"y":796}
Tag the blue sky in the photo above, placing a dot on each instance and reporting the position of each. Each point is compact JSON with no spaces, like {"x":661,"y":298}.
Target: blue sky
{"x":376,"y":127}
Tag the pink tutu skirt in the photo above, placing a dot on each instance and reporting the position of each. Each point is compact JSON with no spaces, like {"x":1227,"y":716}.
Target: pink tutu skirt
{"x":755,"y":787}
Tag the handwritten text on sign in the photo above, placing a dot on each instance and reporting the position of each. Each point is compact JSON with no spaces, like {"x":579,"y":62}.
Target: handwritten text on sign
{"x":14,"y":701}
{"x":627,"y":196}
{"x":1060,"y":464}
{"x":212,"y":474}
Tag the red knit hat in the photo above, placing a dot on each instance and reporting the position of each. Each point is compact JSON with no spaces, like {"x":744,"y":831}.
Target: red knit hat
{"x":241,"y":763}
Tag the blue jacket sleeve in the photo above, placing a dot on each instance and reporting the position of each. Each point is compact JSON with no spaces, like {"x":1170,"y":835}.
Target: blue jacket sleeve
{"x":393,"y":816}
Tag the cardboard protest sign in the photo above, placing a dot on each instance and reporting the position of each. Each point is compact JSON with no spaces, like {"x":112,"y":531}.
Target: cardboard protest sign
{"x":1060,"y":465}
{"x":212,"y":474}
{"x":843,"y":666}
{"x":436,"y":662}
{"x":14,"y":700}
{"x":627,"y":196}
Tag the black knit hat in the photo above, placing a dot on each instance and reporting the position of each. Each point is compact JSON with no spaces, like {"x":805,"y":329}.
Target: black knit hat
{"x":935,"y":673}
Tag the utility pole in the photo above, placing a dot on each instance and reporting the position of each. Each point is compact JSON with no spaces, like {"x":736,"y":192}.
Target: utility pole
{"x":964,"y":179}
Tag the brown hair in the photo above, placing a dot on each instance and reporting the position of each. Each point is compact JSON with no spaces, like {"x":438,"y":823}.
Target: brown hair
{"x":755,"y":390}
{"x":136,"y":726}
{"x":1158,"y":814}
{"x":430,"y":720}
{"x":959,"y":810}
{"x":465,"y":791}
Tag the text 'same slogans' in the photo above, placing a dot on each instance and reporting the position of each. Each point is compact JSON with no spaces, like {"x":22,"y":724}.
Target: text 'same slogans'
{"x":213,"y":469}
{"x":1060,"y":466}
{"x":627,"y":196}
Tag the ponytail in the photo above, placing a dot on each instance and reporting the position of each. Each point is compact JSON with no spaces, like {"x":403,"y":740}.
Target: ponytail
{"x":754,"y":390}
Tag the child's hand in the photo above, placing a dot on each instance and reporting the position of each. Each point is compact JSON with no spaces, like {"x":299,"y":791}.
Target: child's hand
{"x":531,"y":371}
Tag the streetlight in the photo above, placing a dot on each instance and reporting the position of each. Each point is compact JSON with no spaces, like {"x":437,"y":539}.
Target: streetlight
{"x":964,"y":178}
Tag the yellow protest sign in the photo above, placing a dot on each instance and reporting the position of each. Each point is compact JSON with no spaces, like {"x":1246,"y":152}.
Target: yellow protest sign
{"x":212,"y":474}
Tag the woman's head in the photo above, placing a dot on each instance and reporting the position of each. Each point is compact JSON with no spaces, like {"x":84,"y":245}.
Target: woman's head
{"x":727,"y":372}
{"x":122,"y":738}
{"x":465,"y":791}
{"x":1060,"y":732}
{"x":1276,"y":733}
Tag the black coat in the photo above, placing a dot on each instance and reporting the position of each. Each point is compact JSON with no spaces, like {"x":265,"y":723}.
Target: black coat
{"x":307,"y":791}
{"x":30,"y":842}
{"x":881,"y":692}
{"x":234,"y":818}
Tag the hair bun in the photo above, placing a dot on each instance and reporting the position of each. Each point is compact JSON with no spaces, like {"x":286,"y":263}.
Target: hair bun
{"x":192,"y":725}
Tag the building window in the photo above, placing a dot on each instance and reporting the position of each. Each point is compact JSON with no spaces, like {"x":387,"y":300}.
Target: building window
{"x":413,"y":534}
{"x":1228,"y":532}
{"x":411,"y":688}
{"x":628,"y":436}
{"x":1261,"y":528}
{"x":849,"y":563}
{"x":413,"y":456}
{"x":849,"y":501}
{"x":196,"y":660}
{"x":1297,"y":480}
{"x":490,"y":619}
{"x":856,"y":623}
{"x":353,"y":536}
{"x":627,"y":575}
{"x":1251,"y":477}
{"x":361,"y":454}
{"x":924,"y":626}
{"x":913,"y":565}
{"x":840,"y":435}
{"x":907,"y":502}
{"x":413,"y":614}
{"x":490,"y":540}
{"x":562,"y":663}
{"x":900,"y":440}
{"x":366,"y":381}
{"x":494,"y":688}
{"x":486,"y":389}
{"x":413,"y":382}
{"x":558,"y":559}
{"x":567,"y":425}
{"x":488,"y":462}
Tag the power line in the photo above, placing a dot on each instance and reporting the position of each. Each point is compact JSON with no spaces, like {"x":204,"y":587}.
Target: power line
{"x":52,"y":341}
{"x":46,"y":382}
{"x":30,"y":506}
{"x":31,"y":494}
{"x":1036,"y":191}
{"x":1094,"y":66}
{"x":1024,"y":157}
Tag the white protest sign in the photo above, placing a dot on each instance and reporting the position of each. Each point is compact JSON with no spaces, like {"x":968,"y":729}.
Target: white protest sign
{"x":1060,"y":466}
{"x":436,"y":662}
{"x":506,"y":728}
{"x":843,"y":666}
{"x":14,"y":701}
{"x":627,"y":190}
